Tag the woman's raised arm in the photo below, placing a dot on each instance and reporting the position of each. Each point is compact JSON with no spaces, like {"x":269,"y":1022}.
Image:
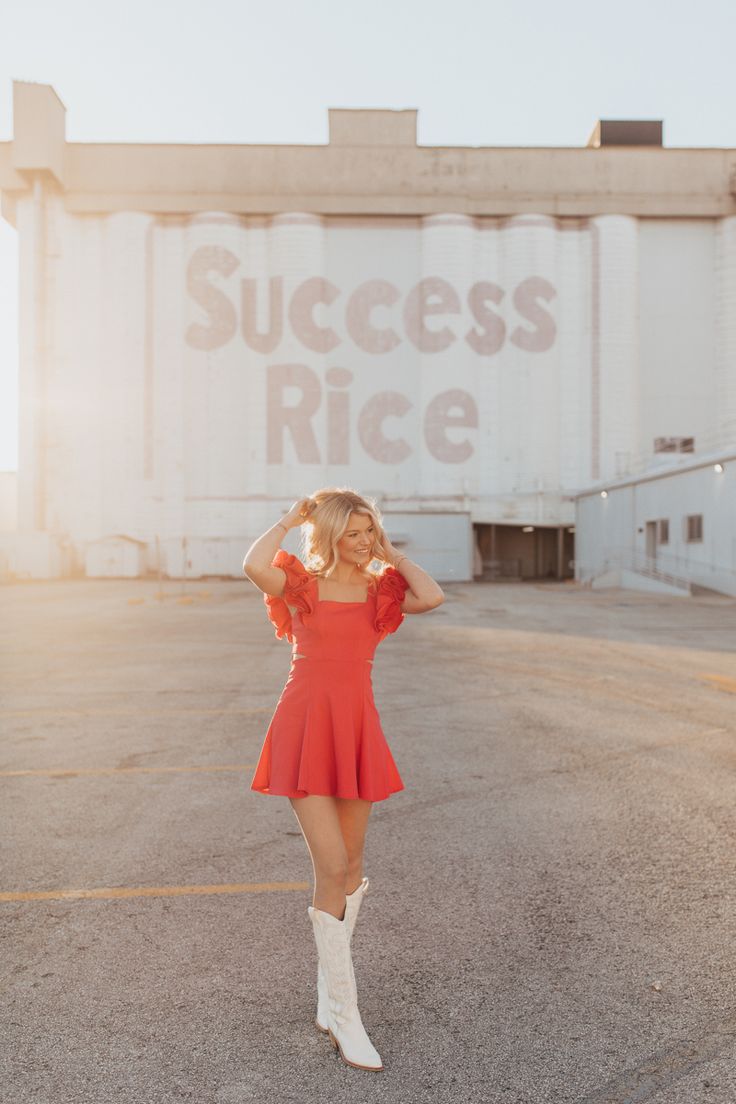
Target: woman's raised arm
{"x":257,"y":562}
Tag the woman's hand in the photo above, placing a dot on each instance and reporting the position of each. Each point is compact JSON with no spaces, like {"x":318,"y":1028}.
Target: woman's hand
{"x":298,"y":513}
{"x":258,"y":563}
{"x":383,"y":548}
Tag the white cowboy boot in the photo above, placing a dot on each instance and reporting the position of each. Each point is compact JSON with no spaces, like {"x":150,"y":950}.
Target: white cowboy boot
{"x":345,"y":1026}
{"x":352,"y":908}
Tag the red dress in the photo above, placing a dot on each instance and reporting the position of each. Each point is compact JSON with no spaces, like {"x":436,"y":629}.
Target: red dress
{"x":325,"y":736}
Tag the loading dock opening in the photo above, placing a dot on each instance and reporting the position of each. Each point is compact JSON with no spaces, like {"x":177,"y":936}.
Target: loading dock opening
{"x":517,"y":551}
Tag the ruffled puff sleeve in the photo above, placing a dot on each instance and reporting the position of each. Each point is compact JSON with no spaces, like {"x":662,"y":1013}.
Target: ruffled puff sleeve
{"x":299,"y":591}
{"x":392,"y":586}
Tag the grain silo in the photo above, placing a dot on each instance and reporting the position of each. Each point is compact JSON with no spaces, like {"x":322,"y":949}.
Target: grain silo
{"x":472,"y":335}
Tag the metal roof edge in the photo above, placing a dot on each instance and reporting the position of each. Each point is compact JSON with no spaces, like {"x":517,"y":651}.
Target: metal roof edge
{"x":704,"y":461}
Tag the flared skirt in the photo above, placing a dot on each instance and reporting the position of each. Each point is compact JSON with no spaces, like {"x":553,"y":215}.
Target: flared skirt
{"x":325,"y":735}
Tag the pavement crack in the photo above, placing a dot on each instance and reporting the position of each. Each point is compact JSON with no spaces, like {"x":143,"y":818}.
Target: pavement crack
{"x":640,"y":1084}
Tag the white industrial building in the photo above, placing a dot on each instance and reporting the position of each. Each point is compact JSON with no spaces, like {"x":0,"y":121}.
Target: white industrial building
{"x":671,"y":529}
{"x":472,"y":335}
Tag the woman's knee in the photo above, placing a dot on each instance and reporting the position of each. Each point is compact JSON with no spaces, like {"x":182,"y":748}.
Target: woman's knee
{"x":333,"y":869}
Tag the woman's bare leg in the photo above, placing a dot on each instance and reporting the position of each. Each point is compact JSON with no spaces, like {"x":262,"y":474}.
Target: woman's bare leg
{"x":353,"y":814}
{"x":320,"y":825}
{"x":334,"y":830}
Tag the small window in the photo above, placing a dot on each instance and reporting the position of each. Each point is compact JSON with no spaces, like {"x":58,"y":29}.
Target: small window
{"x":663,"y":531}
{"x":694,"y":527}
{"x":674,"y":444}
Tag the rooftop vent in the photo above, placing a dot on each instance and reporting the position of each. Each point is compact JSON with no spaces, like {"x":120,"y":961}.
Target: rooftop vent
{"x":626,"y":132}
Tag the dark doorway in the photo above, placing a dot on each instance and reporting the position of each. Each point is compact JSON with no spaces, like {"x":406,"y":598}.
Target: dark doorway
{"x":525,"y":552}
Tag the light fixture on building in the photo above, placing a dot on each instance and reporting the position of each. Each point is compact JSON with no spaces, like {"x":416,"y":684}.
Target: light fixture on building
{"x":718,"y":467}
{"x":528,"y":529}
{"x":604,"y":494}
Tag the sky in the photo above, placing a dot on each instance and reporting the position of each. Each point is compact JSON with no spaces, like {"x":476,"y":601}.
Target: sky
{"x":537,"y":73}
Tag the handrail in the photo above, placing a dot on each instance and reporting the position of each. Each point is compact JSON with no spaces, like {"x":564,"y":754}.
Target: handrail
{"x":681,"y":566}
{"x":630,"y":560}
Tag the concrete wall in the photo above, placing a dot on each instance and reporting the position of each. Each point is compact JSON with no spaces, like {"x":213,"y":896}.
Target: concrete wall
{"x":613,"y":529}
{"x":8,"y":501}
{"x":680,"y":281}
{"x":371,"y":165}
{"x":192,"y":369}
{"x":193,"y":377}
{"x":368,"y":312}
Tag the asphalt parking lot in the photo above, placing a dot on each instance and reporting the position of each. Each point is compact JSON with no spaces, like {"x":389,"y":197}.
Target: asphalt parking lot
{"x":552,"y":908}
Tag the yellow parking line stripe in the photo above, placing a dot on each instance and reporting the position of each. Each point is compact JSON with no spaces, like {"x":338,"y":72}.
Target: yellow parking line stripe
{"x":721,"y":682}
{"x":153,"y":891}
{"x":135,"y":712}
{"x":56,"y":771}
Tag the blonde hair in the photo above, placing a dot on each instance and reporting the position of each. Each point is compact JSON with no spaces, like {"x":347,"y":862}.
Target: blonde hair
{"x":328,"y":513}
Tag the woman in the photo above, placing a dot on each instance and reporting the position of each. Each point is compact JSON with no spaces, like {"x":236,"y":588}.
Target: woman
{"x":324,"y":748}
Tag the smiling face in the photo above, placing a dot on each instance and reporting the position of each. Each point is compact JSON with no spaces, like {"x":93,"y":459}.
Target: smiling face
{"x":356,"y":544}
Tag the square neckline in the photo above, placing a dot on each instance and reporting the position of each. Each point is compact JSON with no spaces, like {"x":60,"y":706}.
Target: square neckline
{"x":339,"y":601}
